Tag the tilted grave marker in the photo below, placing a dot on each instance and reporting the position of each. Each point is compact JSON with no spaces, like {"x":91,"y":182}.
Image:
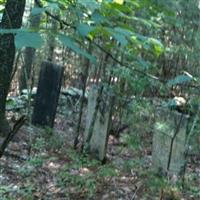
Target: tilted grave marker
{"x":169,"y":141}
{"x":48,"y":91}
{"x":98,"y":142}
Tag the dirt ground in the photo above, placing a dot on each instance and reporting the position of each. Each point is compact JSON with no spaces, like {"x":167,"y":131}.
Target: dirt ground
{"x":42,"y":165}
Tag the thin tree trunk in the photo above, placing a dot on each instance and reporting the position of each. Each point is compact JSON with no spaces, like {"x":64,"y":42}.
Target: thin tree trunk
{"x":12,"y":18}
{"x":51,"y":41}
{"x":29,"y":55}
{"x":84,"y":77}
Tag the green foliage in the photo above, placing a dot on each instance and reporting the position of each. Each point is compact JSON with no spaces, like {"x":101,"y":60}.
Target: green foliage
{"x":140,"y":111}
{"x":27,"y":192}
{"x":82,"y":173}
{"x":107,"y":171}
{"x":128,"y":165}
{"x":86,"y":183}
{"x":28,"y":39}
{"x":39,"y":144}
{"x":36,"y":161}
{"x":70,"y":43}
{"x":181,"y":79}
{"x":30,"y":166}
{"x":24,"y":37}
{"x":37,"y":11}
{"x":14,"y":103}
{"x":84,"y":29}
{"x":156,"y":182}
{"x":26,"y":170}
{"x":78,"y":174}
{"x":4,"y":191}
{"x":133,"y":141}
{"x":90,"y":6}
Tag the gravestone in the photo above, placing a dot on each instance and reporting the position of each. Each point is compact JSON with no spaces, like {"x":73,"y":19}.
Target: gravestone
{"x":99,"y":139}
{"x":48,"y":91}
{"x":169,"y":141}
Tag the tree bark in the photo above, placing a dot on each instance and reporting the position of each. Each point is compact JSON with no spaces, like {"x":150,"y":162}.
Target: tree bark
{"x":12,"y":19}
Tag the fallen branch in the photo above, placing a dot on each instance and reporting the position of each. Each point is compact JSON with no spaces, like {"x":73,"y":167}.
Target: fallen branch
{"x":20,"y":122}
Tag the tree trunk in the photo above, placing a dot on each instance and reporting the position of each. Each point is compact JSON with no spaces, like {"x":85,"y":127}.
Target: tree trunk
{"x":12,"y":18}
{"x":29,"y":55}
{"x":51,"y":41}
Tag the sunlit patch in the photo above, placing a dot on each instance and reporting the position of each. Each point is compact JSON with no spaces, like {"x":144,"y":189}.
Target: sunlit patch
{"x":84,"y":171}
{"x":52,"y":166}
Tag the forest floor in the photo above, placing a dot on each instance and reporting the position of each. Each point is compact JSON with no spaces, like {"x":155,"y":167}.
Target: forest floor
{"x":41,"y":164}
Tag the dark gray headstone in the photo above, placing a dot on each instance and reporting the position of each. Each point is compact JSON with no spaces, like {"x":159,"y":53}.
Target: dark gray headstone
{"x":48,"y":91}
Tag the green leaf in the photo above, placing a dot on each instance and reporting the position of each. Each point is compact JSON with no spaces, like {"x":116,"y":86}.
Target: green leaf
{"x":157,"y":45}
{"x":53,"y":6}
{"x":120,"y":8}
{"x":28,"y":39}
{"x":118,"y":36}
{"x":181,"y":79}
{"x":98,"y":18}
{"x":84,"y":29}
{"x":37,"y":11}
{"x":119,"y":2}
{"x":142,"y":63}
{"x":70,"y":43}
{"x":89,"y":4}
{"x":123,"y":31}
{"x":6,"y":31}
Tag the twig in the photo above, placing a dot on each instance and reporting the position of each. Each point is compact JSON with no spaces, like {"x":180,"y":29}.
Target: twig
{"x":172,"y":141}
{"x":134,"y":195}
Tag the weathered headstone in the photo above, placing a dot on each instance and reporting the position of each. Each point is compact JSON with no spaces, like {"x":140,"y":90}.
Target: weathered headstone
{"x":98,"y":142}
{"x":47,"y":94}
{"x":169,"y":141}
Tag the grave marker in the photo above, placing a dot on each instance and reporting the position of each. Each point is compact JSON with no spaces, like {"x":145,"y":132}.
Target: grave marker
{"x":48,"y":91}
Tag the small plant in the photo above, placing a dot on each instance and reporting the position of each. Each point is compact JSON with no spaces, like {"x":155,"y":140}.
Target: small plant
{"x":4,"y":192}
{"x":79,"y":174}
{"x":39,"y":144}
{"x":169,"y":193}
{"x":27,"y":192}
{"x":84,"y":183}
{"x":107,"y":171}
{"x":55,"y":141}
{"x":30,"y":166}
{"x":36,"y":162}
{"x":133,"y":141}
{"x":26,"y":170}
{"x":128,"y":165}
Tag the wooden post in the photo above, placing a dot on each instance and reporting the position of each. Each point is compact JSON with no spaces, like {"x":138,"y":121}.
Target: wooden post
{"x":47,"y":94}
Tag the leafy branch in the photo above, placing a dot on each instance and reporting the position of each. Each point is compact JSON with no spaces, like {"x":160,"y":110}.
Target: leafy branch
{"x":64,"y":23}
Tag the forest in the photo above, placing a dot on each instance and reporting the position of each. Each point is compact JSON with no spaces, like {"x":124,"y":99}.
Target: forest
{"x":99,"y":100}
